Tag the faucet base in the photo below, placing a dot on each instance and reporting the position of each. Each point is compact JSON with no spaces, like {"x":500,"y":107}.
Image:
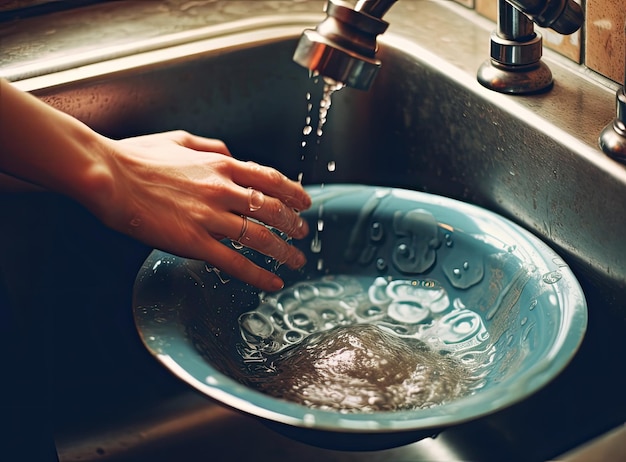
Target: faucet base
{"x":613,"y":138}
{"x":515,"y":79}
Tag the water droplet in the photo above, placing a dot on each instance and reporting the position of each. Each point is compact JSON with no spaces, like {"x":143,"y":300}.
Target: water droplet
{"x":218,"y":273}
{"x":403,"y":250}
{"x":316,"y":244}
{"x":331,"y":166}
{"x":552,"y":277}
{"x":376,"y":231}
{"x":465,"y":275}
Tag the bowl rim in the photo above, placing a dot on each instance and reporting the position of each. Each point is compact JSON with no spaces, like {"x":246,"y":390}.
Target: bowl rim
{"x":185,"y":362}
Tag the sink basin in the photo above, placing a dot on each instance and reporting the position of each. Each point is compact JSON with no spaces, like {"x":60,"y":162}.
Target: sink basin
{"x":468,"y":284}
{"x":426,"y":125}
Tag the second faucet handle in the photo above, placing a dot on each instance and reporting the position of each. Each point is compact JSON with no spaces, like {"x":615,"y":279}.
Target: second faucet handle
{"x":515,"y":64}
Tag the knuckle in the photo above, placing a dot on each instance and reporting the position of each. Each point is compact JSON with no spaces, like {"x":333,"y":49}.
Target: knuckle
{"x":274,"y":177}
{"x":217,"y":187}
{"x":266,"y":239}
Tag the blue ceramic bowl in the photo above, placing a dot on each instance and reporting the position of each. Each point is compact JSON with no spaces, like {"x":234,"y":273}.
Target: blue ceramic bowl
{"x":483,"y":290}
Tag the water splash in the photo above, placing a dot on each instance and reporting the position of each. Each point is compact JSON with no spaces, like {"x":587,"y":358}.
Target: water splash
{"x":414,"y":310}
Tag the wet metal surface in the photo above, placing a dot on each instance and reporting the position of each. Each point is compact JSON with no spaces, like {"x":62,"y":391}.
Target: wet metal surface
{"x":425,"y":125}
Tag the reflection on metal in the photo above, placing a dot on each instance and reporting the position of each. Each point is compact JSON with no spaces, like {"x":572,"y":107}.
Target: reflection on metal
{"x":515,"y":64}
{"x":613,"y":137}
{"x":343,"y":46}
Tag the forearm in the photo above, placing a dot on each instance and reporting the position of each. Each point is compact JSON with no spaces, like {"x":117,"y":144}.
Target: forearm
{"x":45,"y":147}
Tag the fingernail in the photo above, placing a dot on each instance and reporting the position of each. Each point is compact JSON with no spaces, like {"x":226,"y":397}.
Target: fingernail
{"x":299,"y":260}
{"x":302,"y":228}
{"x":276,"y":283}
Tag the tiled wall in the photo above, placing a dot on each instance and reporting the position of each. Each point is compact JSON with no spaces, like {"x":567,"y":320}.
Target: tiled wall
{"x":600,"y":44}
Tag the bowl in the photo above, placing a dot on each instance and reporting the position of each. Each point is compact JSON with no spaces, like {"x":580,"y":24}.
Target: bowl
{"x":446,"y":277}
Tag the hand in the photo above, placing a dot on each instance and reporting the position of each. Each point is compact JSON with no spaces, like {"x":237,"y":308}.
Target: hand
{"x":182,"y":194}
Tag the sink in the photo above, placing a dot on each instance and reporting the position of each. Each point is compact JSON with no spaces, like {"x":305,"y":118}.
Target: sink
{"x":425,"y":125}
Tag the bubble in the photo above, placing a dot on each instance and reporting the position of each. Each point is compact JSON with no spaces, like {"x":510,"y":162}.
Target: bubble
{"x":408,"y":311}
{"x":377,"y":292}
{"x":301,"y":320}
{"x":293,"y":336}
{"x":304,"y":292}
{"x":459,"y":326}
{"x":255,"y":326}
{"x":287,"y":302}
{"x":325,"y":326}
{"x":329,"y":289}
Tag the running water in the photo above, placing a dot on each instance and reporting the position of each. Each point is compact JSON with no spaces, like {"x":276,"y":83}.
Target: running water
{"x":330,"y":87}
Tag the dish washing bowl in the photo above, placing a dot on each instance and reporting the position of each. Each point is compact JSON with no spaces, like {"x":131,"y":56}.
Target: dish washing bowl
{"x":426,"y":125}
{"x":481,"y":294}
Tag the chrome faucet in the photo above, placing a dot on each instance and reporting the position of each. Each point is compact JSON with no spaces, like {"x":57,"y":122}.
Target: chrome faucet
{"x":613,"y":138}
{"x":343,"y":46}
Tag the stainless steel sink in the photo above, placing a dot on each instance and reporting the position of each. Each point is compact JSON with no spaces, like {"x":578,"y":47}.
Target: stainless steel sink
{"x":426,"y":124}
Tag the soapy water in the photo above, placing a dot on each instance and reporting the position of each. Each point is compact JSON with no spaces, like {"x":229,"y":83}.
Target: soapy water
{"x":361,"y":345}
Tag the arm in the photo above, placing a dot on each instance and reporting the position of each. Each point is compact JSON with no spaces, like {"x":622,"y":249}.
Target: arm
{"x":174,"y":191}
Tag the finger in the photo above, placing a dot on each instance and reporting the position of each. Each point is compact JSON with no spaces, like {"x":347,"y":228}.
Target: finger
{"x":272,"y":212}
{"x":240,"y":267}
{"x":259,"y":237}
{"x":273,"y":183}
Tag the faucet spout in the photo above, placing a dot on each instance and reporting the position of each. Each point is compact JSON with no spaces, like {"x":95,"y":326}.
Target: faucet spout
{"x":343,"y":46}
{"x":562,"y":16}
{"x":376,"y":8}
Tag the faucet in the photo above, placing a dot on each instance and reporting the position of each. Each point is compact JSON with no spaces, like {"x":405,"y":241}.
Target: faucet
{"x":613,"y":138}
{"x":343,"y":46}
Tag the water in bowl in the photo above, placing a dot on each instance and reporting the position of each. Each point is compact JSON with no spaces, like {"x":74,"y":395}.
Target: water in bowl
{"x":356,"y":344}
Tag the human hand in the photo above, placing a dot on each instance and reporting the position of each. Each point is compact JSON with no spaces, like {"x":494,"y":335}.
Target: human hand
{"x":183,"y":193}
